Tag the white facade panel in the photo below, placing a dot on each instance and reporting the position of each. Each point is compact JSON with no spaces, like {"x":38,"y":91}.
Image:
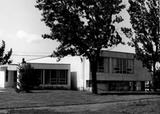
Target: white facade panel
{"x":10,"y":82}
{"x":50,"y":66}
{"x":2,"y":79}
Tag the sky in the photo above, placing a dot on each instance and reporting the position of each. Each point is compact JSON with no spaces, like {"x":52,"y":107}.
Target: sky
{"x":21,"y":28}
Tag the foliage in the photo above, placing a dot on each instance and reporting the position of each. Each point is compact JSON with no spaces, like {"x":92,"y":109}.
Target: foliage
{"x":27,"y":79}
{"x":145,"y":20}
{"x":83,"y":27}
{"x":5,"y":58}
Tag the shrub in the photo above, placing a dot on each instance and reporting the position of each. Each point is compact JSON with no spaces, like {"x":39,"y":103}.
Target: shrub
{"x":27,"y":79}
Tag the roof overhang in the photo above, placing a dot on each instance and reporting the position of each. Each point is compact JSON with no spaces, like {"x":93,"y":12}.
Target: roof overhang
{"x":10,"y":67}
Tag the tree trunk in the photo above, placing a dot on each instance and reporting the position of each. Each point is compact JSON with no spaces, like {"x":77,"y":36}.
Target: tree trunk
{"x":94,"y":76}
{"x":94,"y":62}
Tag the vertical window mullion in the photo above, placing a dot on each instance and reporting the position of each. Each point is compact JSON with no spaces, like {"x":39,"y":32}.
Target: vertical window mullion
{"x":49,"y":76}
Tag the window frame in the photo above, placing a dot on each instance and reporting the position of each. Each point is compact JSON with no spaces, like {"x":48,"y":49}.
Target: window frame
{"x":104,"y":67}
{"x":57,"y":76}
{"x":122,"y":65}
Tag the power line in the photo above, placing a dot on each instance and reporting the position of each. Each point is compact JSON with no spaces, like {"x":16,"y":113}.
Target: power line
{"x":33,"y":56}
{"x":17,"y":53}
{"x":40,"y":53}
{"x":39,"y":58}
{"x":30,"y":55}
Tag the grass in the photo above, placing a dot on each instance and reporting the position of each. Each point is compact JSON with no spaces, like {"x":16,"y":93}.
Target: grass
{"x":41,"y":98}
{"x":134,"y":107}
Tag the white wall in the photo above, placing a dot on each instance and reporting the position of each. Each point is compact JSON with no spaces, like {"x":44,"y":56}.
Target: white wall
{"x":2,"y":79}
{"x":10,"y":82}
{"x":79,"y":69}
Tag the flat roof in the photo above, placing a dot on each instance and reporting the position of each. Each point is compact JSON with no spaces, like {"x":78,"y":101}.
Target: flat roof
{"x":12,"y":67}
{"x":103,"y":50}
{"x":50,"y":63}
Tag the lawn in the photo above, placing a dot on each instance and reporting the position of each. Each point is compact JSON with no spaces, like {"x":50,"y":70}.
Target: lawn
{"x":42,"y":98}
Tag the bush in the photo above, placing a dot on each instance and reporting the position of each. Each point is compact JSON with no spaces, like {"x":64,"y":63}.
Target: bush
{"x":27,"y":79}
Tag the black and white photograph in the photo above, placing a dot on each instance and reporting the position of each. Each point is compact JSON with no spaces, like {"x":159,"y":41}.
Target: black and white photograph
{"x":79,"y":57}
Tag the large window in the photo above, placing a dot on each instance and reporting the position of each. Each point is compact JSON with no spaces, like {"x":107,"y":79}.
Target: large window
{"x":58,"y":77}
{"x":39,"y":74}
{"x":100,"y":66}
{"x":103,"y":64}
{"x":47,"y":76}
{"x":124,"y":66}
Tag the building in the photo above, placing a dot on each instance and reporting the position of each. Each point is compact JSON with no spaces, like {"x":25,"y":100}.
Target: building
{"x":79,"y":69}
{"x":117,"y":71}
{"x":8,"y":75}
{"x":50,"y":75}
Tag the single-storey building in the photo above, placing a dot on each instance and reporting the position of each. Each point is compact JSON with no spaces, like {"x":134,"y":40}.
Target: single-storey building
{"x":8,"y":75}
{"x":117,"y":71}
{"x":50,"y":75}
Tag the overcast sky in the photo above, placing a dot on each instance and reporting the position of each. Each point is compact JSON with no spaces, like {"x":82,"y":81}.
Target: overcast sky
{"x":21,"y":29}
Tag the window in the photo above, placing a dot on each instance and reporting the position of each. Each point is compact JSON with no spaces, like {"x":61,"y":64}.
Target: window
{"x":124,"y":66}
{"x":63,"y":77}
{"x":119,"y":86}
{"x":47,"y":76}
{"x":88,"y":83}
{"x":56,"y":77}
{"x":103,"y":64}
{"x":6,"y":76}
{"x":39,"y":74}
{"x":100,"y":65}
{"x":130,"y":66}
{"x":59,"y":77}
{"x":106,"y":64}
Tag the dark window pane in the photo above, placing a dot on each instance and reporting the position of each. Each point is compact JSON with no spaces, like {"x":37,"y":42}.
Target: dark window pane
{"x":39,"y":74}
{"x":100,"y":67}
{"x":124,"y":66}
{"x":59,"y":77}
{"x":47,"y":76}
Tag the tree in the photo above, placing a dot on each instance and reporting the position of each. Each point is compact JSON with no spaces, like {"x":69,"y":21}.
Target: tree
{"x":145,"y":20}
{"x":83,"y":27}
{"x":27,"y":79}
{"x":5,"y":58}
